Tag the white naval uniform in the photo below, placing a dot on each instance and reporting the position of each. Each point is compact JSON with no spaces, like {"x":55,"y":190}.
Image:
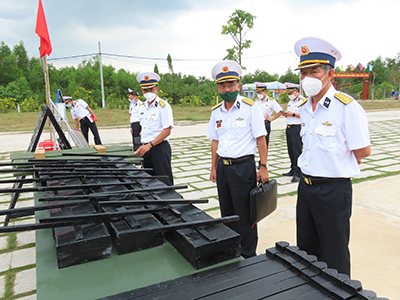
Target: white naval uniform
{"x":155,"y":119}
{"x":268,"y":106}
{"x":329,"y":135}
{"x":236,"y":129}
{"x":293,"y":106}
{"x":79,"y":110}
{"x":134,"y":111}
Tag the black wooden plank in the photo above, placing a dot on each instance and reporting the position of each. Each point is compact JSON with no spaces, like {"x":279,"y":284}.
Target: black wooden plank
{"x":299,"y":293}
{"x":175,"y":283}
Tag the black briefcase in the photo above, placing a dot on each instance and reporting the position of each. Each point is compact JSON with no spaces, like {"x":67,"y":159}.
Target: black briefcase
{"x":263,"y":200}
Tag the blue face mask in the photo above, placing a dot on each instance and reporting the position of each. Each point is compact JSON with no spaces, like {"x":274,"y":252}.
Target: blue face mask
{"x":68,"y":105}
{"x":132,"y":101}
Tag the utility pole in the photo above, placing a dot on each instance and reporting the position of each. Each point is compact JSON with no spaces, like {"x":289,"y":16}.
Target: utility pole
{"x":103,"y":102}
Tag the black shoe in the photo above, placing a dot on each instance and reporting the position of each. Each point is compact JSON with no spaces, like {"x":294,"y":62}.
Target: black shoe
{"x":295,"y":179}
{"x":290,"y":173}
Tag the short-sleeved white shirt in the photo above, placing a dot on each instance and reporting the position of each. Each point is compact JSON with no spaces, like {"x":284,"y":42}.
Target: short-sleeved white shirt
{"x":154,"y":119}
{"x":134,"y":111}
{"x":293,"y":106}
{"x":329,"y":135}
{"x":268,"y":106}
{"x":79,"y":111}
{"x":236,"y":130}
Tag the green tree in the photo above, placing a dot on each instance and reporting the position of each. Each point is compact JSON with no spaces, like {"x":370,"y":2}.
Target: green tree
{"x":22,"y":58}
{"x":239,"y":23}
{"x":169,"y":60}
{"x":289,"y":77}
{"x":156,"y":69}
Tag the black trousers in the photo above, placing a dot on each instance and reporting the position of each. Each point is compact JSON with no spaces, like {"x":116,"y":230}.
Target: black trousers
{"x":136,"y":128}
{"x":323,"y":214}
{"x":294,"y":146}
{"x":268,"y":129}
{"x":85,"y":125}
{"x":234,"y":184}
{"x":159,"y":159}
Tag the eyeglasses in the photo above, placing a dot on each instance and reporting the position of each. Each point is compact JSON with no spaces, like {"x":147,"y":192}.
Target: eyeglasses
{"x":227,"y":86}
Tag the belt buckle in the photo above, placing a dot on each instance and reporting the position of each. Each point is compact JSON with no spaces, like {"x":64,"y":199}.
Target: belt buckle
{"x":307,"y":180}
{"x":227,"y":162}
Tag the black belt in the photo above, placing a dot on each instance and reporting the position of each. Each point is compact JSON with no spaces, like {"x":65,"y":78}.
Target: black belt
{"x":293,"y":125}
{"x":236,"y":161}
{"x":310,"y":180}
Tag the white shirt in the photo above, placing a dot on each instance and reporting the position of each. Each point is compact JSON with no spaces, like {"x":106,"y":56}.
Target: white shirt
{"x":329,"y":135}
{"x":154,"y":119}
{"x":293,"y":106}
{"x":236,"y":130}
{"x":268,"y":106}
{"x":134,"y":111}
{"x":79,"y":111}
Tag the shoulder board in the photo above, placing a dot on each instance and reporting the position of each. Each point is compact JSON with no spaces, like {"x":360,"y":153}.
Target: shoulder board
{"x":303,"y":102}
{"x":161,"y":103}
{"x":216,"y":106}
{"x":345,"y":99}
{"x":248,"y":101}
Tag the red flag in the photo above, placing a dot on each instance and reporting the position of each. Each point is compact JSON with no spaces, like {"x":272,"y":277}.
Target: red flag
{"x":351,"y":67}
{"x":43,"y":32}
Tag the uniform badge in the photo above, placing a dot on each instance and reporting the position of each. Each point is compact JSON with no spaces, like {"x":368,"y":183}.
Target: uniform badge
{"x":219,"y":123}
{"x":155,"y":103}
{"x":304,"y":50}
{"x":225,"y":69}
{"x":239,"y":119}
{"x":327,"y":123}
{"x":147,"y":78}
{"x":327,"y":102}
{"x":238,"y":104}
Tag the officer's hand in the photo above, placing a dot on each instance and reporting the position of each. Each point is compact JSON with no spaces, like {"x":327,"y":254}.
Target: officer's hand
{"x":285,"y":113}
{"x":143,"y":149}
{"x":95,"y":118}
{"x":267,"y":117}
{"x":131,"y":131}
{"x":262,"y":174}
{"x":213,"y":176}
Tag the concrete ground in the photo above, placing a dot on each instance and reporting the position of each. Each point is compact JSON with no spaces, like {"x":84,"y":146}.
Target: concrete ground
{"x":375,"y":224}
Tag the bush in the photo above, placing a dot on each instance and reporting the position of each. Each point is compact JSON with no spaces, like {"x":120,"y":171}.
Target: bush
{"x":191,"y":101}
{"x":283,"y":98}
{"x":31,"y":104}
{"x":82,"y":93}
{"x":8,"y":105}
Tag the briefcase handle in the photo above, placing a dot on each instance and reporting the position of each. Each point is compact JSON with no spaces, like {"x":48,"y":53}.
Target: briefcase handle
{"x":262,"y":185}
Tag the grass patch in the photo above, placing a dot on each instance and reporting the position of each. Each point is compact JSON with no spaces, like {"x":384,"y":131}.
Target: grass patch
{"x":116,"y":117}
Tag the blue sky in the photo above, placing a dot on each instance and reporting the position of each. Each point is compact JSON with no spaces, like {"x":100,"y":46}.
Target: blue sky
{"x":189,"y":29}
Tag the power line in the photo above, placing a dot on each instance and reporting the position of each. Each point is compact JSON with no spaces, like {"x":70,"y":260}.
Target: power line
{"x":158,"y":58}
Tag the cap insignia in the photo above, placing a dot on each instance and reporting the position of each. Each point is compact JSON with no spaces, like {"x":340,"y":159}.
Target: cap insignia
{"x":305,"y":50}
{"x":225,"y":69}
{"x":146,"y":77}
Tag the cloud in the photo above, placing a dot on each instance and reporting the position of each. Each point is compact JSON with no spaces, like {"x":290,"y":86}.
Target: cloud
{"x":189,"y":29}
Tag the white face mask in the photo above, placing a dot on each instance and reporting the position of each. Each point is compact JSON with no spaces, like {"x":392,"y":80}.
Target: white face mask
{"x":292,"y":97}
{"x":260,"y":96}
{"x":312,"y":86}
{"x":150,"y":96}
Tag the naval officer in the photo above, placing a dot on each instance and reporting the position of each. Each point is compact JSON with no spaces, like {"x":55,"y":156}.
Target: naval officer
{"x":236,"y":129}
{"x":81,"y":111}
{"x":268,"y":107}
{"x":334,"y":131}
{"x":134,"y":118}
{"x":293,"y":139}
{"x":157,"y":122}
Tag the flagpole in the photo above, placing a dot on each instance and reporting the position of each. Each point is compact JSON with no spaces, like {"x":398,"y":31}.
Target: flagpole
{"x":45,"y":68}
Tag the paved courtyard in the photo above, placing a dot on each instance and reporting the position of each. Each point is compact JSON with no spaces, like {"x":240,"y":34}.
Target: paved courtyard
{"x":191,"y":165}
